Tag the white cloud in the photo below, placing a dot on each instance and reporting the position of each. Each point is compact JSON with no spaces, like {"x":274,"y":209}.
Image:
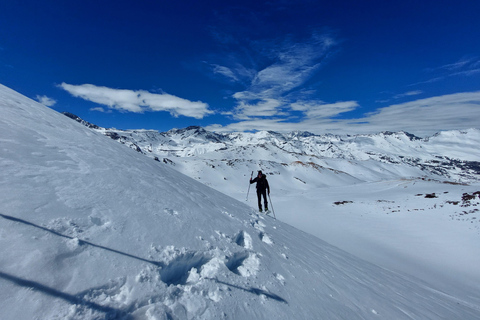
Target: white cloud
{"x":470,"y":72}
{"x":460,"y":64}
{"x":465,"y":67}
{"x":408,"y":94}
{"x":447,"y":112}
{"x":318,"y":110}
{"x":225,"y":71}
{"x":46,"y":101}
{"x":100,"y":109}
{"x":421,"y":117}
{"x":138,"y":101}
{"x":264,"y":108}
{"x":293,"y":64}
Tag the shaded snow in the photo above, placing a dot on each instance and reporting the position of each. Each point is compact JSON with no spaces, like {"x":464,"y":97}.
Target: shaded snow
{"x":90,"y":230}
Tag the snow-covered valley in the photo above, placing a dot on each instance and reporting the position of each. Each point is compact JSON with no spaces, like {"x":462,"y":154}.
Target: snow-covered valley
{"x":90,"y":229}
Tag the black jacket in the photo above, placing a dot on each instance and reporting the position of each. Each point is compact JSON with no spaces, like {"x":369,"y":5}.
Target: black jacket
{"x":262,"y":183}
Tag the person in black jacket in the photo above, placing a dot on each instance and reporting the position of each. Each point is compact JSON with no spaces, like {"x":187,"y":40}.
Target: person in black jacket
{"x":262,"y":188}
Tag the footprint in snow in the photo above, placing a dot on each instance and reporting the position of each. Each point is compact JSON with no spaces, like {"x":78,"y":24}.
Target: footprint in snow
{"x":183,"y":267}
{"x":265,"y":238}
{"x":170,"y":212}
{"x":259,"y":225}
{"x":280,"y":278}
{"x":228,"y":214}
{"x":244,"y":264}
{"x":243,"y":239}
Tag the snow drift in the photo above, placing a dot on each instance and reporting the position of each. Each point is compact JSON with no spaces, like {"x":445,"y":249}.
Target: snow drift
{"x":92,"y":230}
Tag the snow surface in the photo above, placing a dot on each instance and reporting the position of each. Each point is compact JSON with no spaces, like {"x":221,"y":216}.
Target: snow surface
{"x":90,"y":229}
{"x":380,"y":183}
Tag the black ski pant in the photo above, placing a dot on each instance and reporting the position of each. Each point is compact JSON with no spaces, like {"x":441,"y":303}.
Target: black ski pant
{"x":261,"y":193}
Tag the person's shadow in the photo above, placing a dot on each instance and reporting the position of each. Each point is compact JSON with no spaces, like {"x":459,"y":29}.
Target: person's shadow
{"x":111,"y":313}
{"x":252,"y":290}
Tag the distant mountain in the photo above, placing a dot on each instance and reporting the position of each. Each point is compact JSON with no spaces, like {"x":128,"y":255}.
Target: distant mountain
{"x":450,"y":155}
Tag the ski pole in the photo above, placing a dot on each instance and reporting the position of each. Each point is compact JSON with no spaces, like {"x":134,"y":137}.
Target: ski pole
{"x":249,"y":186}
{"x":272,"y":206}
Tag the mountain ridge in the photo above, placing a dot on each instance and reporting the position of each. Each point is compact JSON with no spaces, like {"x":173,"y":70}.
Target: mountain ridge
{"x":440,"y":155}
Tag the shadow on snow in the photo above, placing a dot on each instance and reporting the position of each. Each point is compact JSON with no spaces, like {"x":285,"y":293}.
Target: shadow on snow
{"x":110,"y":313}
{"x":81,"y":242}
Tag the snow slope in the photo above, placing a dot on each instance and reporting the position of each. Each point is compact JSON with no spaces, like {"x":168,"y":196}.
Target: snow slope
{"x":92,"y":230}
{"x":366,"y":194}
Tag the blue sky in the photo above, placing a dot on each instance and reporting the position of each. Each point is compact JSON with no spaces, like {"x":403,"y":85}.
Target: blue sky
{"x":321,"y":66}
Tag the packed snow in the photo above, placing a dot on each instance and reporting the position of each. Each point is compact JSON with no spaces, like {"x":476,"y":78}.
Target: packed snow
{"x":90,"y":229}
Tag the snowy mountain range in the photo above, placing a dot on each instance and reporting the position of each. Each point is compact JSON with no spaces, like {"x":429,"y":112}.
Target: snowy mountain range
{"x":90,"y":229}
{"x":451,"y":155}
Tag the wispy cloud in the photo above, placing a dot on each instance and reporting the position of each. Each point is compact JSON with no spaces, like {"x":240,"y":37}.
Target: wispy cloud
{"x":401,"y":96}
{"x":266,"y":107}
{"x":138,"y":101}
{"x":293,"y":63}
{"x":46,"y":101}
{"x":320,"y":110}
{"x":408,"y":94}
{"x":454,"y":111}
{"x":233,"y":70}
{"x":421,"y":117}
{"x":459,"y":65}
{"x":286,"y":65}
{"x":275,"y":96}
{"x":225,"y":71}
{"x":467,"y":73}
{"x":463,"y":67}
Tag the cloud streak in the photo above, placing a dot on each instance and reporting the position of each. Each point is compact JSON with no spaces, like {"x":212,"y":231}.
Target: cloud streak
{"x":286,"y":66}
{"x":464,"y":67}
{"x":319,"y":110}
{"x":46,"y":101}
{"x":421,"y":117}
{"x":295,"y":63}
{"x":138,"y":101}
{"x":447,"y":112}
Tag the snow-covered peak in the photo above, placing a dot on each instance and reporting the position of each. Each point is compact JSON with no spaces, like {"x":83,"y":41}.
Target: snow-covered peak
{"x":195,"y":132}
{"x":299,"y":134}
{"x":450,"y":155}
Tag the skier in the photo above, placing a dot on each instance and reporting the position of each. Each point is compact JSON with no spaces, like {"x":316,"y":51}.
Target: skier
{"x":262,"y":188}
